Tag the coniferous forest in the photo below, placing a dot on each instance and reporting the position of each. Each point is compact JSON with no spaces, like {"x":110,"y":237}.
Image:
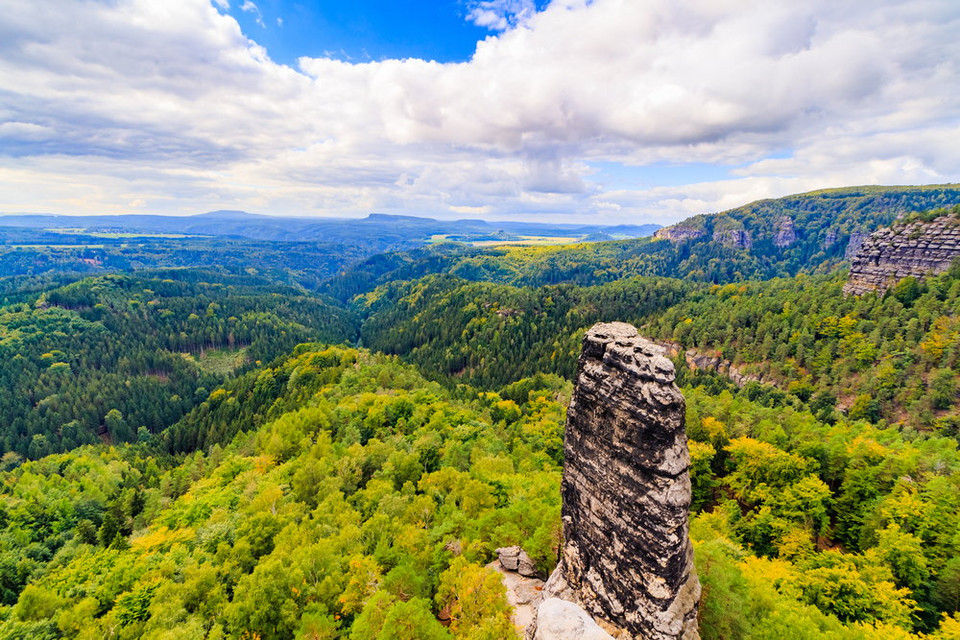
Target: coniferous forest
{"x":208,"y":442}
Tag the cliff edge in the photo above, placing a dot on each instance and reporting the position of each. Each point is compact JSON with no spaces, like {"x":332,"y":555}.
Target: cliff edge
{"x":626,"y":557}
{"x":913,"y":249}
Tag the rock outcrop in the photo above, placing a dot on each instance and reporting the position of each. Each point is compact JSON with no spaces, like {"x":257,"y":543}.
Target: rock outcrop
{"x":699,"y":361}
{"x":830,"y":239}
{"x":678,"y":233}
{"x":854,"y":244}
{"x":733,"y":238}
{"x":516,"y":559}
{"x":914,"y":249}
{"x":785,"y":234}
{"x":740,"y":375}
{"x":626,"y":557}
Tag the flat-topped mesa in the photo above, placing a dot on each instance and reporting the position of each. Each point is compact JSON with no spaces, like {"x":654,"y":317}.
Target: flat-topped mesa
{"x":626,"y":556}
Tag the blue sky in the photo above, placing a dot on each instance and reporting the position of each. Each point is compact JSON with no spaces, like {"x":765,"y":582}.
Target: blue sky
{"x":362,"y":30}
{"x":609,"y":111}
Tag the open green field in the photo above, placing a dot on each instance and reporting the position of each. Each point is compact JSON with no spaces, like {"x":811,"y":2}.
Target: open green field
{"x":519,"y":241}
{"x":53,"y":246}
{"x":79,"y":231}
{"x":219,"y":361}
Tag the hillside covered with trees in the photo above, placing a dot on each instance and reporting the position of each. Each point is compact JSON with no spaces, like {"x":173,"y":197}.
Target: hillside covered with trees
{"x":119,"y":357}
{"x":365,"y":502}
{"x":746,"y":243}
{"x":195,"y":453}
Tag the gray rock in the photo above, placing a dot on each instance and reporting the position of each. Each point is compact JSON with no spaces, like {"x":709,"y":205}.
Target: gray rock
{"x":523,"y":595}
{"x":678,"y":233}
{"x":516,"y":559}
{"x":854,"y":244}
{"x":915,"y":249}
{"x":830,"y":239}
{"x":734,"y":238}
{"x":698,"y":361}
{"x":626,"y":557}
{"x":786,"y":234}
{"x":509,"y":557}
{"x":561,"y":620}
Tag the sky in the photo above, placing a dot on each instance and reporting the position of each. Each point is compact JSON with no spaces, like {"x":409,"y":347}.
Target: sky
{"x":602,"y":111}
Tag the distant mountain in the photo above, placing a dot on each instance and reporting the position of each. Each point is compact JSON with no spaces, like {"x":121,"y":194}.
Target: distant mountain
{"x":230,"y":214}
{"x":810,"y":232}
{"x":377,"y":231}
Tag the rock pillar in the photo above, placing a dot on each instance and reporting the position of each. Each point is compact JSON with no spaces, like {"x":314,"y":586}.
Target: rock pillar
{"x":626,"y":556}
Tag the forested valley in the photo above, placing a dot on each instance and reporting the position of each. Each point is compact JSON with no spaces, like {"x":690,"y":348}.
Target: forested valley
{"x":220,"y":452}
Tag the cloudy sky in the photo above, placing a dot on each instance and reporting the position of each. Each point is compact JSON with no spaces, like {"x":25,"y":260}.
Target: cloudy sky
{"x":603,"y":110}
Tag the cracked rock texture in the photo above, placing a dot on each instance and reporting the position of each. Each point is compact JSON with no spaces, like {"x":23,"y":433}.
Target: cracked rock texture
{"x":914,"y":249}
{"x":626,"y":557}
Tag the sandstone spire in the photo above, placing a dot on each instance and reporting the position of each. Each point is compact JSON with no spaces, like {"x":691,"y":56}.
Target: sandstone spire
{"x":626,"y":556}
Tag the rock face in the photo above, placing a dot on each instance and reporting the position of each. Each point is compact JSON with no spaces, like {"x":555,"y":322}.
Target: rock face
{"x":678,"y":233}
{"x":698,"y":361}
{"x":914,"y":249}
{"x":854,"y":244}
{"x":626,"y":557}
{"x":734,"y":238}
{"x":830,"y":239}
{"x":786,"y":234}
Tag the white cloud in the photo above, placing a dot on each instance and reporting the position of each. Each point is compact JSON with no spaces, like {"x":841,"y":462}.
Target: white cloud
{"x":24,"y":131}
{"x":250,"y":7}
{"x":105,"y":103}
{"x":500,"y":15}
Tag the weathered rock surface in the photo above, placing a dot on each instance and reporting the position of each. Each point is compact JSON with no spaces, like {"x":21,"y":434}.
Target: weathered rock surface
{"x":734,"y":238}
{"x":698,"y":361}
{"x":562,"y":620}
{"x":626,"y":557}
{"x":914,"y":249}
{"x":854,"y":244}
{"x":524,"y":595}
{"x":830,"y":239}
{"x":678,"y":233}
{"x":516,"y":559}
{"x":785,"y":234}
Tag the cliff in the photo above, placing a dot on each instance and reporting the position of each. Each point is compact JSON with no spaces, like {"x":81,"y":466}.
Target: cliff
{"x":913,"y":249}
{"x":786,"y":233}
{"x":626,"y":557}
{"x":678,"y":233}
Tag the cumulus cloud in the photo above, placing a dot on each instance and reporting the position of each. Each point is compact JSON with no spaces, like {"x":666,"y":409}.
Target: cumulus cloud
{"x":104,"y":103}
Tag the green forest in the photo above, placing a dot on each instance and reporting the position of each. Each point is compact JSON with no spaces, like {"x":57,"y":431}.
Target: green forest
{"x":334,"y":450}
